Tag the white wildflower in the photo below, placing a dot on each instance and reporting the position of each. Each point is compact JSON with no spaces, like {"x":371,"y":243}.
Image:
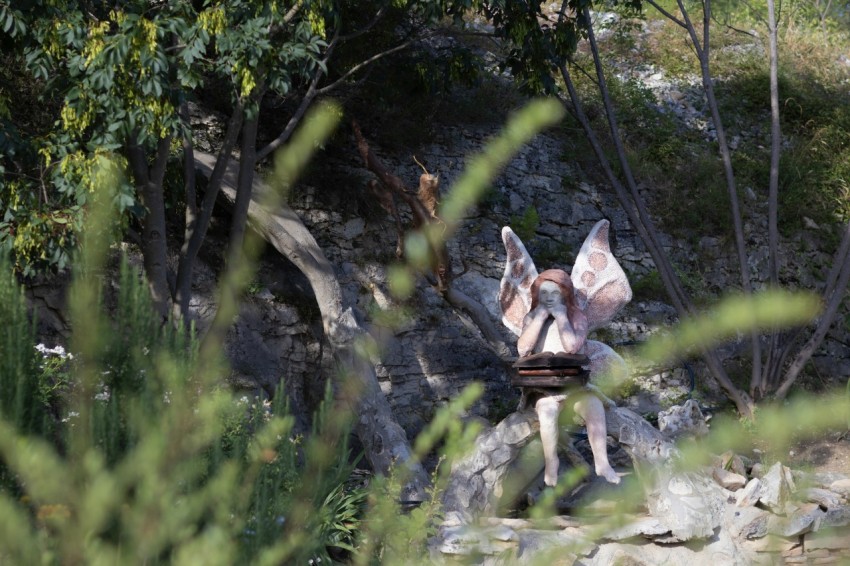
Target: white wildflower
{"x":103,"y":395}
{"x":58,"y":351}
{"x":71,"y":415}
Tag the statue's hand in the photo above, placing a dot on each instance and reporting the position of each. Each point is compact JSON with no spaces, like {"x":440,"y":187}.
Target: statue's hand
{"x":559,"y":312}
{"x":540,"y":313}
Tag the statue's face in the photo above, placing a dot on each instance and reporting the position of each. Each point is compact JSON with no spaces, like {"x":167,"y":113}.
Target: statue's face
{"x":550,"y":295}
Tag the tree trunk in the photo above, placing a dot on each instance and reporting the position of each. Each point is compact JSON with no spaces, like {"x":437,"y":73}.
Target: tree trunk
{"x":385,"y":442}
{"x":244,"y":185}
{"x":180,"y":308}
{"x":759,"y":387}
{"x":154,"y":246}
{"x":702,"y":51}
{"x":197,"y":224}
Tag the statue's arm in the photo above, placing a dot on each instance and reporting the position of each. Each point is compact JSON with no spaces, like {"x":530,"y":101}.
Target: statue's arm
{"x":532,"y":325}
{"x":573,"y":332}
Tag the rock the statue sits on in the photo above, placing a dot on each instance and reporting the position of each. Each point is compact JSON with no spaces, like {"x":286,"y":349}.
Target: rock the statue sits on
{"x":553,"y":312}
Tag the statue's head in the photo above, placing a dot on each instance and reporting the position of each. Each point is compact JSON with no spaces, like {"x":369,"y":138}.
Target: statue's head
{"x":559,"y":278}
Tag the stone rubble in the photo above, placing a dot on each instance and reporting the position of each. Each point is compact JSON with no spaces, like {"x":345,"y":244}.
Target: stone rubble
{"x":783,"y":517}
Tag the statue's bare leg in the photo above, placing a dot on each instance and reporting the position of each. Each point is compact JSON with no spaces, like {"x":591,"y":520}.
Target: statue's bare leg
{"x":591,"y":410}
{"x":548,"y":409}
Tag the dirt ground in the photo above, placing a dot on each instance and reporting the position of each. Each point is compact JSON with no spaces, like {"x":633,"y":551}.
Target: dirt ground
{"x":829,"y":453}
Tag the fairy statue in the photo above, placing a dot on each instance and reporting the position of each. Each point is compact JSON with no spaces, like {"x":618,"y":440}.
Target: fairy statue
{"x":553,"y":312}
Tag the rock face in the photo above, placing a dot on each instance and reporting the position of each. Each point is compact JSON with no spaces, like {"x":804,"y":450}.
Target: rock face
{"x":437,"y":350}
{"x":685,"y":420}
{"x":426,"y":360}
{"x":477,"y":482}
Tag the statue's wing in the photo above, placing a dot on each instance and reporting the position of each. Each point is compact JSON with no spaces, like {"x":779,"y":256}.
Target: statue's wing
{"x":515,"y":291}
{"x":601,"y":285}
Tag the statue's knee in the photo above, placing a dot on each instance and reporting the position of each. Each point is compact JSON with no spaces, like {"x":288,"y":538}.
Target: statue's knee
{"x":547,"y":407}
{"x":588,"y":405}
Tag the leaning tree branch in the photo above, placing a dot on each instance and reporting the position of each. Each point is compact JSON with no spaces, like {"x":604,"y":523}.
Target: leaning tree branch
{"x":642,"y":222}
{"x":642,"y":213}
{"x":741,"y":400}
{"x":385,"y":442}
{"x":646,"y":220}
{"x":625,"y":201}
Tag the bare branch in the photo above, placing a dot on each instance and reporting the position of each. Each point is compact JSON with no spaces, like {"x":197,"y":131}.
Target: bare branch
{"x":691,"y":31}
{"x":727,"y":25}
{"x":666,"y":272}
{"x":367,"y":62}
{"x":642,"y":222}
{"x":667,"y":14}
{"x":378,"y":15}
{"x":293,"y":122}
{"x":754,"y":11}
{"x":823,"y":326}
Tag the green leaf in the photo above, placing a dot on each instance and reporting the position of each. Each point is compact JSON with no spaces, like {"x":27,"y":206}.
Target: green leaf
{"x":735,"y":314}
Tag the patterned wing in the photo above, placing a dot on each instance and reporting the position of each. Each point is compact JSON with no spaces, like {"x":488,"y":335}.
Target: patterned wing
{"x":600,"y":283}
{"x":520,"y":273}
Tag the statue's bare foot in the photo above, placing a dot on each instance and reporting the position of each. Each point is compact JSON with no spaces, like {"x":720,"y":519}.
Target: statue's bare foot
{"x":608,"y":474}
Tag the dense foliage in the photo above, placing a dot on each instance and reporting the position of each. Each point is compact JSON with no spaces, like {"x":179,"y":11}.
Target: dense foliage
{"x":102,"y":80}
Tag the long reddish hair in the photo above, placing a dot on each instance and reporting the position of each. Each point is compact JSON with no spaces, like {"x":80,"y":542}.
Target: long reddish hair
{"x":562,"y":280}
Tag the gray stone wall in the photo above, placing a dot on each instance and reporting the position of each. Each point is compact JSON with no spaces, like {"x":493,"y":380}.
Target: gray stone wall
{"x":437,"y":351}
